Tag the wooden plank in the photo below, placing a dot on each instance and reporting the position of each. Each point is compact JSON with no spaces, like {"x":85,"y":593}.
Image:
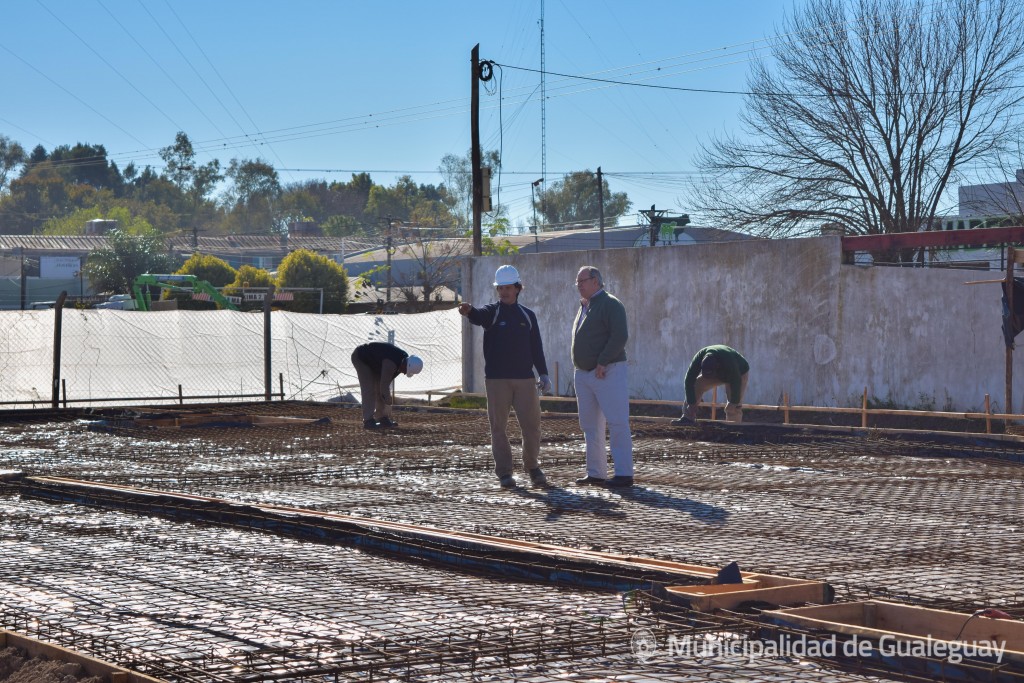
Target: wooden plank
{"x":731,"y":596}
{"x":875,"y":619}
{"x":634,"y":563}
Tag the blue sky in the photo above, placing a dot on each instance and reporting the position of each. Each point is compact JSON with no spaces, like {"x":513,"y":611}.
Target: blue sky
{"x":322,"y":89}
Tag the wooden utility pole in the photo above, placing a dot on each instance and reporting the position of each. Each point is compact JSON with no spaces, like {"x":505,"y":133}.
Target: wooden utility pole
{"x":474,"y":124}
{"x":389,"y":249}
{"x":600,"y":203}
{"x":1008,"y":289}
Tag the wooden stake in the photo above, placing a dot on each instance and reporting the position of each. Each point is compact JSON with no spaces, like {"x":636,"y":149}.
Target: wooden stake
{"x":714,"y":402}
{"x":864,"y":410}
{"x":785,"y":409}
{"x":988,"y":416}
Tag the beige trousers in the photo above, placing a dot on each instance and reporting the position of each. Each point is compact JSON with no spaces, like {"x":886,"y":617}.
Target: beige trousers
{"x":733,"y":413}
{"x":520,"y":395}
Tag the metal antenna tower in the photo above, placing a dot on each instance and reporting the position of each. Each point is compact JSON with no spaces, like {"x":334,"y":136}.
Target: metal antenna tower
{"x":543,"y":104}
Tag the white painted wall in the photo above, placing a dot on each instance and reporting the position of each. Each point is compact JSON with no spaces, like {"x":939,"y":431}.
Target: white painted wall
{"x":809,"y":326}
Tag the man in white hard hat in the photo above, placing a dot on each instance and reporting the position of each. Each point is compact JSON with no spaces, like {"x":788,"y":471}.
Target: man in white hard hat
{"x":378,"y":364}
{"x":512,"y":349}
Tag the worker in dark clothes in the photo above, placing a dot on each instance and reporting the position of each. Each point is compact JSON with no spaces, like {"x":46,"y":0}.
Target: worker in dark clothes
{"x":512,"y":349}
{"x":378,"y":364}
{"x":710,"y":367}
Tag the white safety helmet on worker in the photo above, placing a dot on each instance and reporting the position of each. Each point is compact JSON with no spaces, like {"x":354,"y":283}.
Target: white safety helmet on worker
{"x":413,"y":364}
{"x":506,"y":275}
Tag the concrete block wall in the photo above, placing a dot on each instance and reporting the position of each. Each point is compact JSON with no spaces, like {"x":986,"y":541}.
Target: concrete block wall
{"x":810,"y":327}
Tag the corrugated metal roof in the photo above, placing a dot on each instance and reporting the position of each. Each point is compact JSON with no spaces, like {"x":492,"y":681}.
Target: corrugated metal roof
{"x":53,"y":243}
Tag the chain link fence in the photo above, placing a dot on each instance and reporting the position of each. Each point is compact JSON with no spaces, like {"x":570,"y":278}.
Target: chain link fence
{"x":112,"y":357}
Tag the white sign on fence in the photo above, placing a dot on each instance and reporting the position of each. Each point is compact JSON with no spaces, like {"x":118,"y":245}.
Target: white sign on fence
{"x":59,"y":266}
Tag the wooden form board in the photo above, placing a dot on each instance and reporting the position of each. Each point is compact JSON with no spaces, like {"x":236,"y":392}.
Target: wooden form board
{"x":875,"y":618}
{"x":680,"y":573}
{"x":198,"y":420}
{"x":91,"y":665}
{"x":774,"y":590}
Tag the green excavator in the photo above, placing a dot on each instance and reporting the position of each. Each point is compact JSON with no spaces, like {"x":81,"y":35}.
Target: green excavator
{"x":187,"y":284}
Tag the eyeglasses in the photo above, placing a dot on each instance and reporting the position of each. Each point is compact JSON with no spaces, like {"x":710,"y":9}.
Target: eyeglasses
{"x":580,"y":282}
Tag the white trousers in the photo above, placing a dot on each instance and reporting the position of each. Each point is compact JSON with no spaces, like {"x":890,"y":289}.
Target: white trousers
{"x":601,"y":403}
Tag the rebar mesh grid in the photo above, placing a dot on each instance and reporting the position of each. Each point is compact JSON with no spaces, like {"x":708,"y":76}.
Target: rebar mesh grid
{"x":857,"y":512}
{"x":192,"y":603}
{"x":875,"y":516}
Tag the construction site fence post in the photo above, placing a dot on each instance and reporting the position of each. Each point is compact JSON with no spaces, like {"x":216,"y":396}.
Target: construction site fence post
{"x":58,"y":323}
{"x":280,"y":383}
{"x":268,"y":299}
{"x":181,"y":396}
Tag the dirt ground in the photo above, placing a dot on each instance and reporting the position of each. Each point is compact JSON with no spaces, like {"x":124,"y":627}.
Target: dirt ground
{"x":16,"y":666}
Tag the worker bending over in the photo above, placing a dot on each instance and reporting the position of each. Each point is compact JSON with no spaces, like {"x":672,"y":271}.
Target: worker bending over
{"x":377,"y":365}
{"x":710,"y":367}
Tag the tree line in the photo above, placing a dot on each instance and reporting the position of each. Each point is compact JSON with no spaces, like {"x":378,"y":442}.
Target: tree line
{"x":57,"y":192}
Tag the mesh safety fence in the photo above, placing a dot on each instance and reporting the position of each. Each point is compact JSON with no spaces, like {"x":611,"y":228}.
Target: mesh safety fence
{"x":110,"y":357}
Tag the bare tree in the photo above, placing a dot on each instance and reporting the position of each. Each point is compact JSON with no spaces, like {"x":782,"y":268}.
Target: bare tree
{"x":1001,"y":200}
{"x":867,"y":116}
{"x":437,"y":264}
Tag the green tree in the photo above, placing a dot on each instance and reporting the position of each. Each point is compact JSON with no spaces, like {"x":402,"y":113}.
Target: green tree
{"x":396,"y":201}
{"x":342,"y":226}
{"x":196,"y":181}
{"x":457,"y":173}
{"x":304,"y":268}
{"x":350,"y":199}
{"x":127,"y":256}
{"x":864,"y":115}
{"x":12,"y":155}
{"x":217,"y":272}
{"x":252,"y":197}
{"x":86,"y":164}
{"x":410,"y":203}
{"x":74,"y":223}
{"x":249,"y":277}
{"x":575,"y":199}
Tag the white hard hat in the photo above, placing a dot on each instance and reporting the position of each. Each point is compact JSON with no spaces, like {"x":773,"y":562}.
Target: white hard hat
{"x":413,"y":364}
{"x":506,"y":275}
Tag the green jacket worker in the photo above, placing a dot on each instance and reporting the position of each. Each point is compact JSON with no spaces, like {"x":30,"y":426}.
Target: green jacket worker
{"x":713,"y":366}
{"x":601,"y":378}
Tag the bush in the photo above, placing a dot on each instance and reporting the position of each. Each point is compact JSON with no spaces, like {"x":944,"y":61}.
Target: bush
{"x":304,"y":268}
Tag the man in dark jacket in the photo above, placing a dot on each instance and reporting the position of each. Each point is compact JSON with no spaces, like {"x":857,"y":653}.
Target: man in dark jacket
{"x":512,"y":349}
{"x":710,"y":367}
{"x":378,"y":364}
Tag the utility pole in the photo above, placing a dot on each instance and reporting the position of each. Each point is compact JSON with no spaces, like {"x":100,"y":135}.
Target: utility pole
{"x":474,"y":124}
{"x":390,"y":250}
{"x":600,"y":203}
{"x":533,"y":201}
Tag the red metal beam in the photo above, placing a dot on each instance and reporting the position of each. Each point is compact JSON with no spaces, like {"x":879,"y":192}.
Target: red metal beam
{"x":934,"y":238}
